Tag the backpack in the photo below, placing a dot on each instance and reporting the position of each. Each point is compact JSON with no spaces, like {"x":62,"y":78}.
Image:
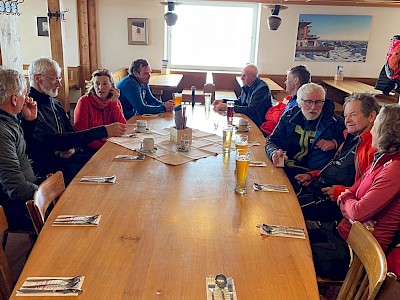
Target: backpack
{"x":392,"y":65}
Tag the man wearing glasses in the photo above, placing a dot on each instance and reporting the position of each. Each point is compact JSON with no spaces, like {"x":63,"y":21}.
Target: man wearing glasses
{"x":52,"y":143}
{"x":309,"y":133}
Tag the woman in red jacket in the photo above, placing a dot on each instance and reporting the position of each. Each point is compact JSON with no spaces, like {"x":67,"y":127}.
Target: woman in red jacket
{"x":100,"y":106}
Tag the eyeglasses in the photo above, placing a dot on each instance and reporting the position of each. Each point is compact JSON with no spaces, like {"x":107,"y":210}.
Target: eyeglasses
{"x":52,"y":79}
{"x":309,"y":103}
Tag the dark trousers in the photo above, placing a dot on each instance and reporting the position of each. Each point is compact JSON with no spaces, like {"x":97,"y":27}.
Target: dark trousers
{"x":330,"y":251}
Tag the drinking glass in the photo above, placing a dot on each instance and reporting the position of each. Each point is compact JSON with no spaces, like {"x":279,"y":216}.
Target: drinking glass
{"x":230,"y":110}
{"x":177,"y":99}
{"x":242,"y":166}
{"x":207,"y":101}
{"x":227,"y":139}
{"x":241,"y":142}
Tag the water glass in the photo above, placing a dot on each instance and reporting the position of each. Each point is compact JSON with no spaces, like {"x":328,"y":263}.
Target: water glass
{"x":242,"y":166}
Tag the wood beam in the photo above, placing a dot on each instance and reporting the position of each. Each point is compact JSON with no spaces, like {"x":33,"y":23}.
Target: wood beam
{"x":92,"y":35}
{"x":57,"y":53}
{"x":83,"y":34}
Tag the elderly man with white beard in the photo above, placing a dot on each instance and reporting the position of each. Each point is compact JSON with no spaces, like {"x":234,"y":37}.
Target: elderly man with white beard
{"x":52,"y":143}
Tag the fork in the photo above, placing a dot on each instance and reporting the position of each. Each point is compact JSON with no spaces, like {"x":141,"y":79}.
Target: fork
{"x":211,"y":287}
{"x":48,"y":279}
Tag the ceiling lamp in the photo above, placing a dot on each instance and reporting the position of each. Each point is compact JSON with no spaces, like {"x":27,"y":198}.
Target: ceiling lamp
{"x":274,"y":21}
{"x":170,"y":17}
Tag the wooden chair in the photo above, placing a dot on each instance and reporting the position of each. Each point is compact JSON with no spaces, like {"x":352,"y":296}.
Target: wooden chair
{"x":368,"y":269}
{"x":49,"y":191}
{"x":5,"y":274}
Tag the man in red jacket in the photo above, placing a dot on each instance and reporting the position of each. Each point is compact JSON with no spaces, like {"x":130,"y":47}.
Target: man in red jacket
{"x":295,"y":78}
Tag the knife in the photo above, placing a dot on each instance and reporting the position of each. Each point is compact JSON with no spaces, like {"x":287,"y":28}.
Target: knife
{"x":230,"y":288}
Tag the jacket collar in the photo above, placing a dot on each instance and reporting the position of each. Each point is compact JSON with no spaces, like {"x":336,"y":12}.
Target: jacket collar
{"x":7,"y":116}
{"x":39,"y":97}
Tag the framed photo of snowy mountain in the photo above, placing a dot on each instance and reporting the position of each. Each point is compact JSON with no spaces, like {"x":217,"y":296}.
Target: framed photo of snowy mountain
{"x":332,"y":38}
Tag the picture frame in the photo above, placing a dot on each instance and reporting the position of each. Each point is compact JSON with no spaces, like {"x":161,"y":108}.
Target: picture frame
{"x":137,"y":31}
{"x":42,"y":26}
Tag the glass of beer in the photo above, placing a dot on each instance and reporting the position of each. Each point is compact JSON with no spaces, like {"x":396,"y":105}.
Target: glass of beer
{"x":177,"y":99}
{"x":227,"y":139}
{"x":242,"y":166}
{"x":241,"y":142}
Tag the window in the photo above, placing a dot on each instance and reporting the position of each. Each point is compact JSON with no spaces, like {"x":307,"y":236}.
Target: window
{"x":213,"y":36}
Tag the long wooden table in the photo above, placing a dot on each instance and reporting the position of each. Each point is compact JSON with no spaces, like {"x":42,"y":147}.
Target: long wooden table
{"x":273,"y":86}
{"x":164,"y":228}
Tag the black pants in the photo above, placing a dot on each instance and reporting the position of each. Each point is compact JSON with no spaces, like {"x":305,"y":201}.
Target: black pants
{"x":330,"y":251}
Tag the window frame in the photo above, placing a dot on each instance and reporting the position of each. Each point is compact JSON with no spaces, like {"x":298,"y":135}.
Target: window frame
{"x":254,"y":37}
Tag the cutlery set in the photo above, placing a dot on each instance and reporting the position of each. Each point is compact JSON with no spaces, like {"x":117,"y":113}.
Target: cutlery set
{"x":141,"y":156}
{"x":98,"y":179}
{"x":43,"y":285}
{"x":77,"y":220}
{"x":270,"y":188}
{"x":285,"y":231}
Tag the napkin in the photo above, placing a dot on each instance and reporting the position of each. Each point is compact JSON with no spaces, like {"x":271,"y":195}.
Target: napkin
{"x":98,"y":179}
{"x":50,"y":286}
{"x":217,"y":290}
{"x":270,"y":188}
{"x":74,"y":220}
{"x":284,"y":231}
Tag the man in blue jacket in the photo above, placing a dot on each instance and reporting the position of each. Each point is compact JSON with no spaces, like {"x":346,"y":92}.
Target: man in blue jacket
{"x":255,"y":98}
{"x":136,"y":97}
{"x":309,"y":133}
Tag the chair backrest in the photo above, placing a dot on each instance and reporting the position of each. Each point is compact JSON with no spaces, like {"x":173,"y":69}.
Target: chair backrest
{"x":368,"y":268}
{"x":49,"y":191}
{"x":119,"y":74}
{"x":5,"y":274}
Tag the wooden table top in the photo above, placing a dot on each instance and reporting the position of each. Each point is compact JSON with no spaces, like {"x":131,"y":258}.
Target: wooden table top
{"x":273,"y":86}
{"x":164,"y":228}
{"x":351,"y":86}
{"x":165,"y":81}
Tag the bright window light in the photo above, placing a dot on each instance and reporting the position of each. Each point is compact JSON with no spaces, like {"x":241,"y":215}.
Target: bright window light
{"x":213,"y":36}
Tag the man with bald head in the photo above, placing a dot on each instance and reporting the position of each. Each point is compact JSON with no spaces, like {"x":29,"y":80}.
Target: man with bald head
{"x":255,"y":98}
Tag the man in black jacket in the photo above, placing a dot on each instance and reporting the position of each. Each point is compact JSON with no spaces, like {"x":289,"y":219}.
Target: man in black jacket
{"x":17,"y":180}
{"x":52,"y":142}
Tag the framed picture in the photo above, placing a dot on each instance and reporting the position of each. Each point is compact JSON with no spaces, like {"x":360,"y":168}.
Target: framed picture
{"x":137,"y":31}
{"x":42,"y":26}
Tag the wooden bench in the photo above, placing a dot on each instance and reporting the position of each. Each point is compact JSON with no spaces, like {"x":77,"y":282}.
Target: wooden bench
{"x":119,"y":74}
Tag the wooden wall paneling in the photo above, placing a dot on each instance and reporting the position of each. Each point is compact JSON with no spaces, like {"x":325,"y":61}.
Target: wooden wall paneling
{"x":57,"y":53}
{"x":92,"y":35}
{"x":83,"y":36}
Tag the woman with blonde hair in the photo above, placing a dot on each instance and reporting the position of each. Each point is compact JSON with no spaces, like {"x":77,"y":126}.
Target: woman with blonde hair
{"x":100,"y":106}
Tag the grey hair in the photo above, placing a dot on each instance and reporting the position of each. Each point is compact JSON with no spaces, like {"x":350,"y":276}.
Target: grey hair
{"x":11,"y":82}
{"x":387,"y":126}
{"x":41,"y":66}
{"x":309,"y":88}
{"x":367,"y":100}
{"x":252,"y":68}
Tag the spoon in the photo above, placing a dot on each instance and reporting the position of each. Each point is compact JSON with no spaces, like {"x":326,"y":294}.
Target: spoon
{"x":221,"y":281}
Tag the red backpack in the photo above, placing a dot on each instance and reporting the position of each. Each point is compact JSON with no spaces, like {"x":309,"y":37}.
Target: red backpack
{"x":392,"y":65}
